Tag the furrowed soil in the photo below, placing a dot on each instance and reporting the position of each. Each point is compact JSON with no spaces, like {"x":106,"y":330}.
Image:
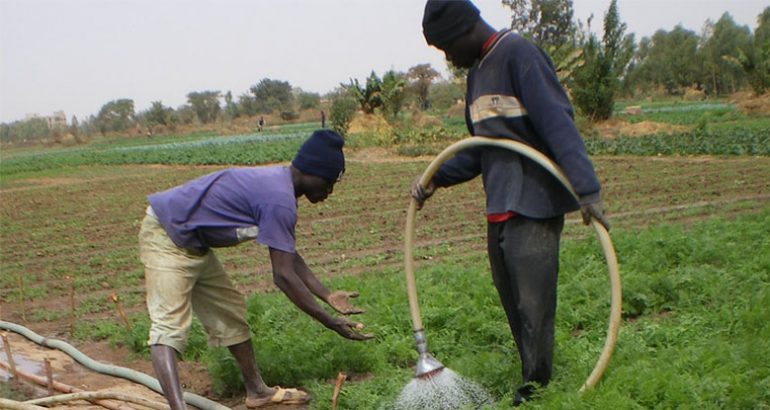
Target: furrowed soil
{"x":71,"y":240}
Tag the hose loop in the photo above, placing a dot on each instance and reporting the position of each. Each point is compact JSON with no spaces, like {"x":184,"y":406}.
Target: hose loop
{"x":601,"y":232}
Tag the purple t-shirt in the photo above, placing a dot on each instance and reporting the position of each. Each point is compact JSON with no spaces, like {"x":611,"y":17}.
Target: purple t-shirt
{"x":231,"y":206}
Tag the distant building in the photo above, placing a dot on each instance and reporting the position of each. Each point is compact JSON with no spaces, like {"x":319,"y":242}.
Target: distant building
{"x":58,"y":119}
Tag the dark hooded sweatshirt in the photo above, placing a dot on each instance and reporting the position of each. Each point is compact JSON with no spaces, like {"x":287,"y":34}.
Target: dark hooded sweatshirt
{"x":513,"y":92}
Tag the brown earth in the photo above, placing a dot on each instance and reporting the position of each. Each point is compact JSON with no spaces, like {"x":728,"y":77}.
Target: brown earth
{"x":29,"y":357}
{"x":613,"y":128}
{"x":752,"y":104}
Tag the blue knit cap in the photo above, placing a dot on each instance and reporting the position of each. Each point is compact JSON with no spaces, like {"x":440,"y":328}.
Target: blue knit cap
{"x":321,"y":155}
{"x":445,"y":20}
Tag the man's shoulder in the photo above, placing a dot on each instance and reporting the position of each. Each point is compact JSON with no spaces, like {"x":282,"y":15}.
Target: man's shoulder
{"x":267,"y":170}
{"x":514,"y":42}
{"x":272,"y":176}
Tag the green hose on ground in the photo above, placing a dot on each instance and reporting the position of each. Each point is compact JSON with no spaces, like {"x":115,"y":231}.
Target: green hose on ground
{"x":601,"y":232}
{"x":112,"y":370}
{"x":18,"y":405}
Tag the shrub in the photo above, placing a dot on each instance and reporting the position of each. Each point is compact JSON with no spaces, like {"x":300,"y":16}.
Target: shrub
{"x":342,"y":111}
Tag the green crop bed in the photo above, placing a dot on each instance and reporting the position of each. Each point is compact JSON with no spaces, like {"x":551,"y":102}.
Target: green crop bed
{"x":690,"y":233}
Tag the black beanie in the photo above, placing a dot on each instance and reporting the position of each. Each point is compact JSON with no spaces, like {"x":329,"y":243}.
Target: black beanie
{"x":321,"y":155}
{"x":446,"y":20}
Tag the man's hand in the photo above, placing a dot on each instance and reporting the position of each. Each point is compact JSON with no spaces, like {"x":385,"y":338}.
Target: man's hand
{"x":340,"y":301}
{"x":595,"y":210}
{"x":349,"y":329}
{"x":421,"y":193}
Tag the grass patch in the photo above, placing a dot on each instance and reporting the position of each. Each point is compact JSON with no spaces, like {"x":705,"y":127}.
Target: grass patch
{"x":695,"y":333}
{"x":686,"y":114}
{"x":208,"y":150}
{"x":720,"y":141}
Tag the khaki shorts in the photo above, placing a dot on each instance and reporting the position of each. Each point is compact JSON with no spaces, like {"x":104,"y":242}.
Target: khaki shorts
{"x":179,"y":282}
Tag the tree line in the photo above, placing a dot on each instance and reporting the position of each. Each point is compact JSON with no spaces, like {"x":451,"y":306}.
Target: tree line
{"x":720,"y":60}
{"x":596,"y":70}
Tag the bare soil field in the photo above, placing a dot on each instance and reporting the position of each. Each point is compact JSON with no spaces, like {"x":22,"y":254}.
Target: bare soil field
{"x":72,"y":238}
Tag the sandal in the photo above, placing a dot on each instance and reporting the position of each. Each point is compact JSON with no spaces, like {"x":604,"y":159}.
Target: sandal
{"x":281,"y":396}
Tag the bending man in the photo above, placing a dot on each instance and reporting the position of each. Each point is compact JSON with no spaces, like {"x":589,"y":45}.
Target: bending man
{"x":226,"y":208}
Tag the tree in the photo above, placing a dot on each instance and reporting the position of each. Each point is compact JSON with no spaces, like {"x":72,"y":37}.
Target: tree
{"x":549,"y":24}
{"x":595,"y":84}
{"x":205,"y":104}
{"x":117,"y":115}
{"x":754,"y":59}
{"x":445,"y":94}
{"x":231,"y":108}
{"x":369,"y":97}
{"x":721,"y":42}
{"x":272,"y":95}
{"x":6,"y":136}
{"x":185,"y":114}
{"x":33,"y":129}
{"x":342,"y":110}
{"x":421,"y":77}
{"x":307,"y":100}
{"x":90,"y":126}
{"x":393,"y":93}
{"x":669,"y":60}
{"x":247,"y":105}
{"x":158,"y":114}
{"x":457,"y":75}
{"x":74,"y":126}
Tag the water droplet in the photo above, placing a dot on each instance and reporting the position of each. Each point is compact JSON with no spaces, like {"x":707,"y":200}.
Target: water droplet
{"x":446,"y":390}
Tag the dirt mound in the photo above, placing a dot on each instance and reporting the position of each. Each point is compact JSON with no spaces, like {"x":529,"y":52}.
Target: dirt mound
{"x":369,"y":123}
{"x":752,"y":104}
{"x":694,"y":94}
{"x":457,"y":110}
{"x":614,"y":128}
{"x":423,"y":120}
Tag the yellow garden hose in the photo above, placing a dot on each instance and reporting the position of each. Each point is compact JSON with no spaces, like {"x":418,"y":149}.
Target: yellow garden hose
{"x":601,"y":232}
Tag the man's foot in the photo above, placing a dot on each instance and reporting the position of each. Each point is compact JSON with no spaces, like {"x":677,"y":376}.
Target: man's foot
{"x":278,"y":396}
{"x":523,"y":393}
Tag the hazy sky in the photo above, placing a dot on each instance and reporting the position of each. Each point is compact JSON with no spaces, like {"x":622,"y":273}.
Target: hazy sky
{"x":77,"y":55}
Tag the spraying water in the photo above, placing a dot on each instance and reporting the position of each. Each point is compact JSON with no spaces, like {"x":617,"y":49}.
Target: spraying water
{"x":442,"y":390}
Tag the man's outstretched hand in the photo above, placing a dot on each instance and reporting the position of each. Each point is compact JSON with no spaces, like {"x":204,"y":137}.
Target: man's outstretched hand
{"x":349,"y":329}
{"x":340,"y":301}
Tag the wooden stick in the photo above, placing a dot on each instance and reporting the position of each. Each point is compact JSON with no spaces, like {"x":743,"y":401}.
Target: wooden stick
{"x":65,"y":388}
{"x":122,"y":314}
{"x":11,"y":362}
{"x":49,"y":376}
{"x":338,"y":388}
{"x":72,"y":305}
{"x":21,"y":294}
{"x":92,"y":395}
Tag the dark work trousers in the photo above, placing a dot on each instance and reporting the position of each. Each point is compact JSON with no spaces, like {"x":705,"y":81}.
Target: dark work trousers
{"x":524,"y":256}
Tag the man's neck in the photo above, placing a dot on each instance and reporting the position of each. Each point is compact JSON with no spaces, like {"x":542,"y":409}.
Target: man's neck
{"x":296,"y":181}
{"x":490,"y":42}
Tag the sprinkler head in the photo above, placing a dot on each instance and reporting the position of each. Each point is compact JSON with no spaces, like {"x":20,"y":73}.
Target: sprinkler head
{"x":427,"y":365}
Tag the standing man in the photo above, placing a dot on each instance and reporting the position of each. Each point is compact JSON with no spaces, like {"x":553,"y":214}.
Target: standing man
{"x":226,"y":208}
{"x":513,"y":92}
